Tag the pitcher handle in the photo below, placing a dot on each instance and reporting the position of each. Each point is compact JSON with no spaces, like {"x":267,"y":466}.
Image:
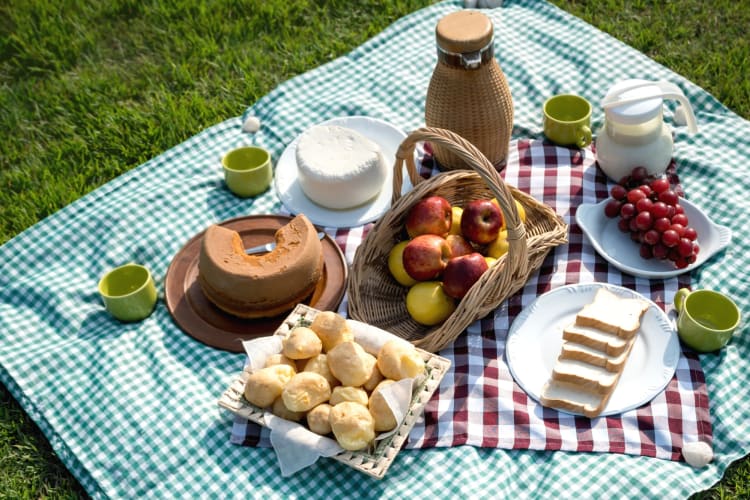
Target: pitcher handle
{"x":668,"y":91}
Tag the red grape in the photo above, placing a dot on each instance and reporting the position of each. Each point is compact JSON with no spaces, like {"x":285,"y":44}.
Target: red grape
{"x":660,"y":251}
{"x":612,"y":208}
{"x":659,"y":209}
{"x":662,"y":224}
{"x":681,"y":263}
{"x":651,"y":237}
{"x":670,"y":237}
{"x":623,"y":225}
{"x":639,"y":174}
{"x":678,"y":209}
{"x":627,"y":210}
{"x":618,"y":192}
{"x":646,"y":251}
{"x":669,"y":197}
{"x":635,"y":194}
{"x":643,"y":221}
{"x":685,"y":247}
{"x":679,"y":218}
{"x":644,"y":205}
{"x":679,"y":229}
{"x":691,"y":233}
{"x":659,"y":185}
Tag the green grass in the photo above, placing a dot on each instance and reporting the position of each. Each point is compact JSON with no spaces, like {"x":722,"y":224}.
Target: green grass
{"x":89,"y":90}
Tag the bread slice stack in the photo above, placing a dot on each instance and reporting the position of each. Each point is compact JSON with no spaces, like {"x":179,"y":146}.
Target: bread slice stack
{"x":593,"y":354}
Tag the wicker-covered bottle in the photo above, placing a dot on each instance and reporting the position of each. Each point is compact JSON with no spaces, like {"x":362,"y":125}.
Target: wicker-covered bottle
{"x":468,"y":92}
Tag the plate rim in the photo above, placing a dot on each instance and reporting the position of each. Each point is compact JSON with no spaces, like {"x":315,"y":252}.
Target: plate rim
{"x":176,"y":286}
{"x":671,"y":353}
{"x":341,"y":218}
{"x":586,"y":211}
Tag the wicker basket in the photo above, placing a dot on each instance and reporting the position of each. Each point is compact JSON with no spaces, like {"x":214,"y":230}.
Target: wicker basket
{"x":374,"y":462}
{"x":376,"y":298}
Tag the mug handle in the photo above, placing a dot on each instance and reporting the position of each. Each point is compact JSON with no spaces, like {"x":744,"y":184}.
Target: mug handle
{"x":679,"y":298}
{"x":584,"y":139}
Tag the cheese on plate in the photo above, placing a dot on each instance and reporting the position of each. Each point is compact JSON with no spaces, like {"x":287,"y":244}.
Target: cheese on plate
{"x":339,"y":168}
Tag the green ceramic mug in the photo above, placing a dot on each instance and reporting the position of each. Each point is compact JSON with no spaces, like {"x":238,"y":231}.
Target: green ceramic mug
{"x":247,"y":170}
{"x":567,"y":120}
{"x":128,"y":292}
{"x":706,"y":319}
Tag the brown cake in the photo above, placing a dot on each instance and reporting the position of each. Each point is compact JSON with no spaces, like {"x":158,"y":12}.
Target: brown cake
{"x":258,"y":286}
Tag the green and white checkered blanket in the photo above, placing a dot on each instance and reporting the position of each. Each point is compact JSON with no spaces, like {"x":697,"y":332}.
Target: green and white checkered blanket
{"x":131,"y":409}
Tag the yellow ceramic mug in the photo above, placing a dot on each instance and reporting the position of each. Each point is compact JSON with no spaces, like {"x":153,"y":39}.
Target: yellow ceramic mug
{"x":567,"y":120}
{"x":128,"y":292}
{"x":247,"y":170}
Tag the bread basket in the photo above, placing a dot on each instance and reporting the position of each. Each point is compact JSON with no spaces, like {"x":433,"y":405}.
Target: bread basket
{"x":376,"y":461}
{"x":374,"y":295}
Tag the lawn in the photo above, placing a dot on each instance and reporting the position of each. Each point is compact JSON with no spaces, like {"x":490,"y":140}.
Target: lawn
{"x":89,"y":90}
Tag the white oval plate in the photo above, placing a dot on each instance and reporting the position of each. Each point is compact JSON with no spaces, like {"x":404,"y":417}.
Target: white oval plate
{"x":387,"y":136}
{"x":620,"y":251}
{"x":535,"y":339}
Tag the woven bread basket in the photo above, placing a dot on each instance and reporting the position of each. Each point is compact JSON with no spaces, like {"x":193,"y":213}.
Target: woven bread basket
{"x":374,"y":295}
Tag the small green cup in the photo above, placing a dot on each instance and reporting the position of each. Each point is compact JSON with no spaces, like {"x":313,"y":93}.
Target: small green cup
{"x":128,"y":292}
{"x":706,"y":319}
{"x":247,"y":170}
{"x":567,"y":120}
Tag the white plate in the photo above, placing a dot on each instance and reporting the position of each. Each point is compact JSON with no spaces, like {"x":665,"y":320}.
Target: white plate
{"x":387,"y":136}
{"x":535,"y":340}
{"x":620,"y":251}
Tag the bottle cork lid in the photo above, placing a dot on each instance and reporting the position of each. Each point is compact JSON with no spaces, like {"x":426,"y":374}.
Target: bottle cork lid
{"x":464,"y":31}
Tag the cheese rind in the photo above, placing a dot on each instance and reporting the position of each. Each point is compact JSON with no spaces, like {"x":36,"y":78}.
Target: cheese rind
{"x":338,"y":167}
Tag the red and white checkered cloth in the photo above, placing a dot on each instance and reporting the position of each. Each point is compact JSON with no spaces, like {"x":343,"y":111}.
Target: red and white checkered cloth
{"x":478,"y":402}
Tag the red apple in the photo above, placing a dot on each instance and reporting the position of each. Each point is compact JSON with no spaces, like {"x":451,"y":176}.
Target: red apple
{"x":431,"y":215}
{"x":426,"y":256}
{"x":481,"y":221}
{"x":462,"y":272}
{"x":459,"y":245}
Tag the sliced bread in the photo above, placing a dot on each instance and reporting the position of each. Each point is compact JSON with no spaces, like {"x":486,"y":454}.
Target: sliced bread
{"x":596,"y":357}
{"x":613,"y":314}
{"x":588,"y":377}
{"x":563,"y":396}
{"x":608,"y":343}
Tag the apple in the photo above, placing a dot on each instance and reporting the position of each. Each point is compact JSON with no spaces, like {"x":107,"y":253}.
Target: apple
{"x":426,"y":256}
{"x":462,"y":272}
{"x":500,"y":246}
{"x":459,"y":245}
{"x":396,"y":265}
{"x":481,"y":221}
{"x":431,"y":215}
{"x":456,"y":212}
{"x":428,"y":304}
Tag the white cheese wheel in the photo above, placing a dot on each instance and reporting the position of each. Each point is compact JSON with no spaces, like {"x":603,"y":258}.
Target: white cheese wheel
{"x":338,"y":167}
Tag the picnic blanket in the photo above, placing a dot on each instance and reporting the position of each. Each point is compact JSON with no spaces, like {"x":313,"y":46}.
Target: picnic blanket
{"x":131,"y":409}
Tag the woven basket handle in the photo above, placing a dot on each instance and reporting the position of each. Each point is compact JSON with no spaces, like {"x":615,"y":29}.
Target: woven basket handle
{"x":478,"y":162}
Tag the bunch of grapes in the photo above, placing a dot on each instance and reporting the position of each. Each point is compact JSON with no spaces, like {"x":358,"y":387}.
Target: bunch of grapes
{"x":649,"y":210}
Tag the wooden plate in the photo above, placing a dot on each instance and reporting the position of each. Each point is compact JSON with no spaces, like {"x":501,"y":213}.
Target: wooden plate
{"x":202,"y":320}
